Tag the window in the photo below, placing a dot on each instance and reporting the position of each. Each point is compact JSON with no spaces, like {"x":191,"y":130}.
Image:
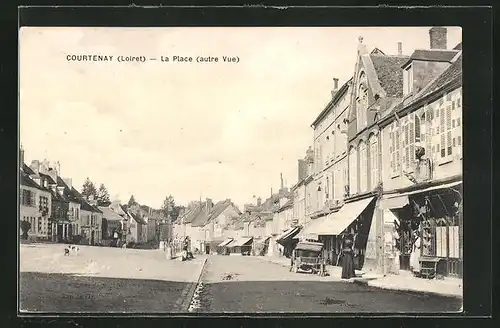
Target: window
{"x":363,"y":170}
{"x":408,"y":80}
{"x":441,"y":242}
{"x":327,"y":191}
{"x":28,"y":198}
{"x":374,"y":176}
{"x":353,"y":171}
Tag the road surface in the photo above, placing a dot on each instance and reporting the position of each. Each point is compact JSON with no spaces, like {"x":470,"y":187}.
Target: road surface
{"x":104,"y":279}
{"x":258,"y":286}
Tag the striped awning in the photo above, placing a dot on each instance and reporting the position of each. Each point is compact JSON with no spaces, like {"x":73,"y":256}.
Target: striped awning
{"x":288,"y":235}
{"x":241,"y":242}
{"x":225,"y":242}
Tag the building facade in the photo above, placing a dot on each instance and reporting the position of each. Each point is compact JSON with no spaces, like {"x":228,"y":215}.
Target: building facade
{"x":422,"y":161}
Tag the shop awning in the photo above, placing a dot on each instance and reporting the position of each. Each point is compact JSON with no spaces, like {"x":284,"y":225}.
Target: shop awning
{"x":438,"y":187}
{"x":315,"y":228}
{"x":347,"y":214}
{"x":225,"y":242}
{"x":334,"y":223}
{"x":241,"y":242}
{"x":288,"y":235}
{"x":263,"y":240}
{"x":394,"y":202}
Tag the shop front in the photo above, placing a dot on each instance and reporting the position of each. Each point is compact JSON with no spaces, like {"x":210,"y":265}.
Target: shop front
{"x":429,"y":228}
{"x":241,"y":246}
{"x":353,"y":220}
{"x":287,"y":240}
{"x":222,"y":248}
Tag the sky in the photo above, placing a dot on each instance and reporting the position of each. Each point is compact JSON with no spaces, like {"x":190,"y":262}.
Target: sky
{"x":190,"y":130}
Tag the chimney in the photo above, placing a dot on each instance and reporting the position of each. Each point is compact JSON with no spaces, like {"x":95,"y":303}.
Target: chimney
{"x":438,"y":37}
{"x":281,"y":178}
{"x":21,"y":156}
{"x":335,"y":86}
{"x":68,"y":181}
{"x":208,"y":204}
{"x":35,"y":166}
{"x":400,"y":48}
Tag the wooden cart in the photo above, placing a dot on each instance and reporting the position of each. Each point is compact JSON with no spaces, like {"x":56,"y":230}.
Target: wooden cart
{"x":306,"y":257}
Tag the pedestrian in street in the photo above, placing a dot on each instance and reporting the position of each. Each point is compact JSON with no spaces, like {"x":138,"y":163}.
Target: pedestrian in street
{"x":415,"y":254}
{"x":347,"y":259}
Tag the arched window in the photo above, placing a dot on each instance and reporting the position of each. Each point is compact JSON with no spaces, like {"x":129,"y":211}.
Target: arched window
{"x":363,"y":167}
{"x":374,"y":169}
{"x":353,"y":171}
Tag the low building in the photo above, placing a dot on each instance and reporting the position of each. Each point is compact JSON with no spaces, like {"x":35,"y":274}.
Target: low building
{"x":35,"y":207}
{"x":113,"y":225}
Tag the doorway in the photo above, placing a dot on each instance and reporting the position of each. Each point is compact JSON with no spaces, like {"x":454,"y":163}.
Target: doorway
{"x":207,"y":249}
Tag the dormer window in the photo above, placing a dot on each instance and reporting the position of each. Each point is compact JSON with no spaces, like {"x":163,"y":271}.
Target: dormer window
{"x":408,"y":80}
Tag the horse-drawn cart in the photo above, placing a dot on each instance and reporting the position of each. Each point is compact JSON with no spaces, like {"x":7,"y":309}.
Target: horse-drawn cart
{"x":306,"y":257}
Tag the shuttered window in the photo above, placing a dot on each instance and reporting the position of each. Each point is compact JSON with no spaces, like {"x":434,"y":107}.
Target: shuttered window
{"x":374,"y":177}
{"x":363,"y":167}
{"x":398,"y":157}
{"x":353,"y":169}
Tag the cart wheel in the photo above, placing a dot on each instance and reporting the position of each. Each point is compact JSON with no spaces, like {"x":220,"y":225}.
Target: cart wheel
{"x":296,"y":269}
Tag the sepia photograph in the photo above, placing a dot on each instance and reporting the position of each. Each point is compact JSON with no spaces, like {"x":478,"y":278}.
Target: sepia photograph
{"x":240,"y":170}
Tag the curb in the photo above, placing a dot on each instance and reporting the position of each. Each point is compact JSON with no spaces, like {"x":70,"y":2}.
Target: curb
{"x":365,"y":282}
{"x":368,"y":282}
{"x":188,"y":292}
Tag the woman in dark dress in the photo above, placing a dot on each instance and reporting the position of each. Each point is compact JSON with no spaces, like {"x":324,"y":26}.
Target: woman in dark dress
{"x":347,"y":260}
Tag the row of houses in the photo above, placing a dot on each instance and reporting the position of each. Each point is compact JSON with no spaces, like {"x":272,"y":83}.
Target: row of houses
{"x":386,"y":160}
{"x":223,"y":228}
{"x":58,"y":212}
{"x":385,"y":165}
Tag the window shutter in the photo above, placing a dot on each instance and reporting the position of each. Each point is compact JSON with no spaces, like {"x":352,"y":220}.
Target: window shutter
{"x":412,"y":133}
{"x":448,"y":117}
{"x":412,"y":153}
{"x":442,"y":120}
{"x":443,"y":145}
{"x":407,"y":156}
{"x":449,"y":142}
{"x":406,"y":135}
{"x":391,"y":142}
{"x":417,"y":129}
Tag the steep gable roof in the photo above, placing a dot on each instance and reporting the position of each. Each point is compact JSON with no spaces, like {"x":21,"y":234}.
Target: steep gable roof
{"x":191,"y":215}
{"x":68,"y":192}
{"x":84,"y":204}
{"x":432,"y":55}
{"x":109,"y":214}
{"x":452,"y":73}
{"x":389,"y":73}
{"x":27,"y":169}
{"x":137,"y":218}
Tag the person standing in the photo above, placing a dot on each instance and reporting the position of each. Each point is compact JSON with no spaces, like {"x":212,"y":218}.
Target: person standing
{"x":347,"y":259}
{"x":415,"y":254}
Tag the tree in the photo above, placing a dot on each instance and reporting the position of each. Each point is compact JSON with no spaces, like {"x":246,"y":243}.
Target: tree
{"x":89,"y":189}
{"x":25,"y":227}
{"x":103,"y":196}
{"x":131,"y":201}
{"x":169,"y":209}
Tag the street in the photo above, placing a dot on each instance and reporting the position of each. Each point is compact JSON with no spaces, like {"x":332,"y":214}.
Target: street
{"x":115,"y":280}
{"x":256,"y":285}
{"x":104,"y":279}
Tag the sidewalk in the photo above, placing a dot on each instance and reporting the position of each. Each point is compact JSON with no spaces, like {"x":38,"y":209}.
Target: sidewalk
{"x":404,"y":281}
